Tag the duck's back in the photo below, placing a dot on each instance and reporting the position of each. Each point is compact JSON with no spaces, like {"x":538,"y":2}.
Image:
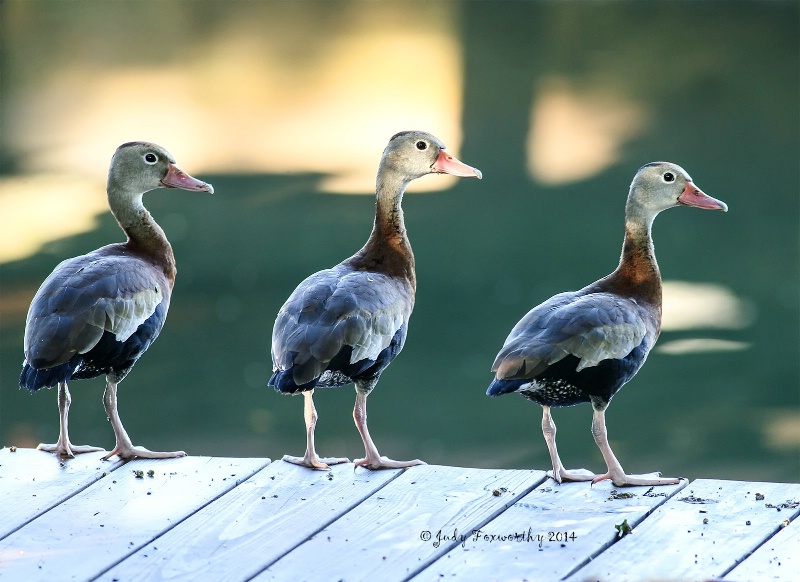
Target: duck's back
{"x":338,"y":324}
{"x":94,"y":312}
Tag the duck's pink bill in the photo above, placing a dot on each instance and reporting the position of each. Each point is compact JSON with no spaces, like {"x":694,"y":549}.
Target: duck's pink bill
{"x":447,"y":164}
{"x":694,"y":196}
{"x":177,"y":178}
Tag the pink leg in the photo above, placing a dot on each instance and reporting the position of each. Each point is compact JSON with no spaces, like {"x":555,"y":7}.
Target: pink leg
{"x":615,"y":472}
{"x":373,"y":459}
{"x":310,"y":459}
{"x":63,"y":447}
{"x":124,"y":447}
{"x":559,"y":473}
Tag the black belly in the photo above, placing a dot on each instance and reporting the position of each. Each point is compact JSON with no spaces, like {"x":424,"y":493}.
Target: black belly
{"x":562,"y":385}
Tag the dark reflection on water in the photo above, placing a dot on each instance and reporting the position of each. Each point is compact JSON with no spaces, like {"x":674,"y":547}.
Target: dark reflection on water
{"x":721,"y":84}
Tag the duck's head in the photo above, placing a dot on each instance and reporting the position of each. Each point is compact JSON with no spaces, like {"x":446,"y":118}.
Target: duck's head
{"x":416,"y":153}
{"x":141,"y":166}
{"x":661,"y":185}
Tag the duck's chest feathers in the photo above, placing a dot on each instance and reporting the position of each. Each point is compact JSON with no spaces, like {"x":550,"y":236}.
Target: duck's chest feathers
{"x":389,"y":256}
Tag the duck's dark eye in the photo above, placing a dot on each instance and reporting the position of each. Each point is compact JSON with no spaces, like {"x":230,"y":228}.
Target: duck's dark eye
{"x":669,"y":177}
{"x":421,"y":145}
{"x":150,"y":158}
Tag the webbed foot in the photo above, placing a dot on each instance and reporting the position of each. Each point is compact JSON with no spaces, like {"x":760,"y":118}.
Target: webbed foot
{"x":314,"y":462}
{"x":67,"y":449}
{"x":620,"y":479}
{"x":128,"y":452}
{"x":386,"y":463}
{"x":571,"y":475}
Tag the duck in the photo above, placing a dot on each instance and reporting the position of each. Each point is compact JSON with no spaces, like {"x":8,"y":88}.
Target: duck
{"x":96,"y":314}
{"x":583,"y":346}
{"x":346,"y":324}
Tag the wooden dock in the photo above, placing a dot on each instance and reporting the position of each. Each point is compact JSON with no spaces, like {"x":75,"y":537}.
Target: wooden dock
{"x":205,"y":518}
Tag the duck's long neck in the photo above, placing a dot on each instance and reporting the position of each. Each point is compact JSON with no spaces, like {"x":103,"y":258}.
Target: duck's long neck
{"x":637,"y":274}
{"x":388,"y":249}
{"x":145,"y":236}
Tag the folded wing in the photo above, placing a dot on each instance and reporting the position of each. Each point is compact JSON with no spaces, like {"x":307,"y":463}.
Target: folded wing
{"x":87,"y":296}
{"x":592,"y":327}
{"x":336,"y":309}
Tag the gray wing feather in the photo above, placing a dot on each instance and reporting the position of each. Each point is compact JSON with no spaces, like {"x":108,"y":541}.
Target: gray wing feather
{"x":336,"y":308}
{"x":592,"y":327}
{"x":86,"y":296}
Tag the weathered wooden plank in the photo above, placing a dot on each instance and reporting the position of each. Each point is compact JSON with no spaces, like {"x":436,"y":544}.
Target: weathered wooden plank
{"x":778,"y":560}
{"x":111,"y":527}
{"x":549,"y":533}
{"x":404,"y":526}
{"x":114,"y":517}
{"x":676,"y":541}
{"x":241,"y":533}
{"x":31,"y":482}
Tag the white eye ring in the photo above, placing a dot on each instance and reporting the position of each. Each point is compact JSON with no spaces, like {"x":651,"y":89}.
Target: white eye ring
{"x":668,"y":177}
{"x":421,"y":145}
{"x":150,"y":158}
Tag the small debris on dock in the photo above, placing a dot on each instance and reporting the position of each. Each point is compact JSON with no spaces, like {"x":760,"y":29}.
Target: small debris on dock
{"x":623,"y":529}
{"x":650,"y":493}
{"x":693,"y":499}
{"x":788,"y":504}
{"x":617,"y":495}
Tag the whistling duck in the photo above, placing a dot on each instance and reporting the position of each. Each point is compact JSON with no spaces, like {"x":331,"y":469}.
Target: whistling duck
{"x":98,"y":313}
{"x":346,"y":324}
{"x":583,"y":346}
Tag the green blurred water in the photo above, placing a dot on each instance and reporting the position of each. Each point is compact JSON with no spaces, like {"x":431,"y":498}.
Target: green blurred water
{"x":723,"y":81}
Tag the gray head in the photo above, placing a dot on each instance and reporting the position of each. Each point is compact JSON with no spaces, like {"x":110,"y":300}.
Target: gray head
{"x":413,"y":154}
{"x":140,"y":166}
{"x":661,"y":185}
